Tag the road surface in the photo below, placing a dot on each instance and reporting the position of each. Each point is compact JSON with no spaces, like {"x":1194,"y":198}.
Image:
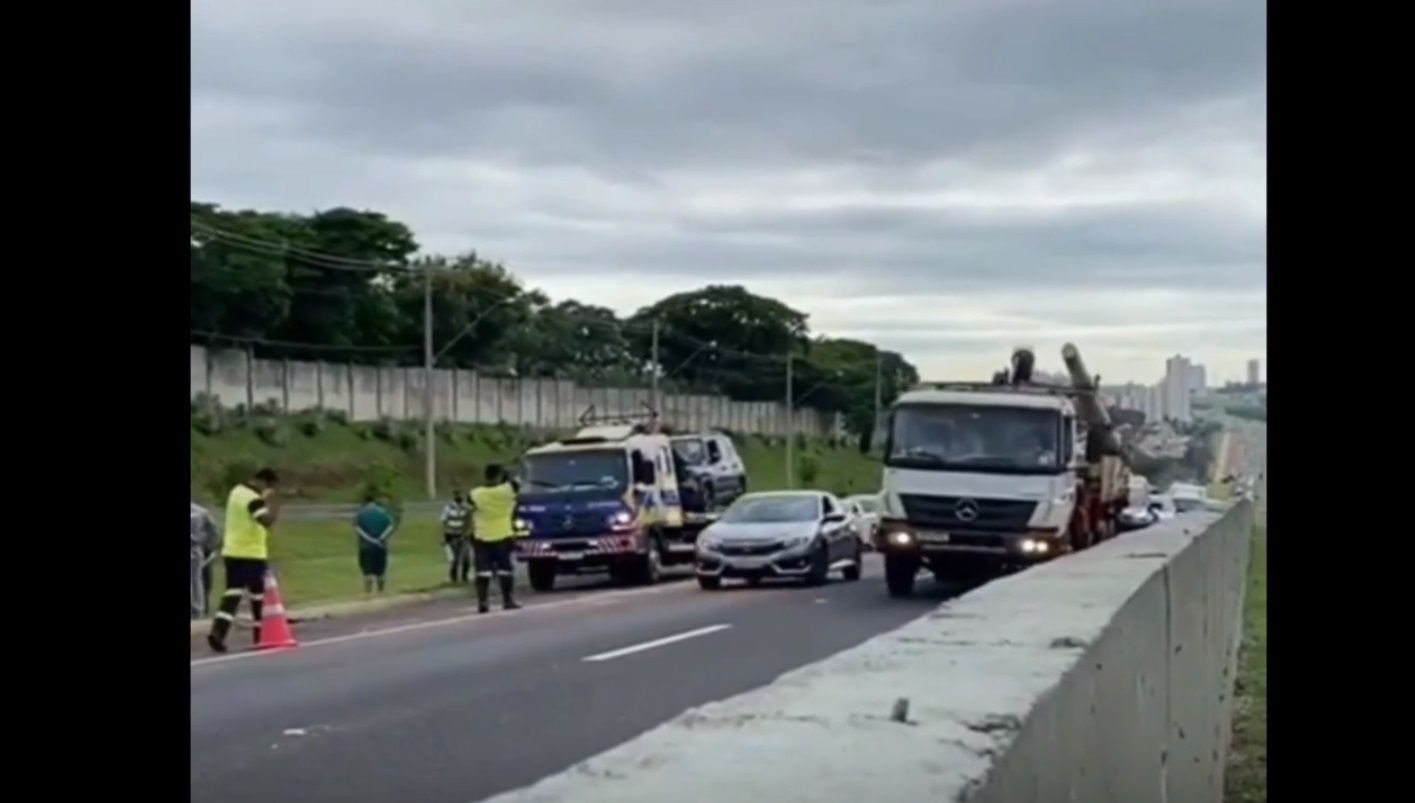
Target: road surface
{"x":445,"y":706}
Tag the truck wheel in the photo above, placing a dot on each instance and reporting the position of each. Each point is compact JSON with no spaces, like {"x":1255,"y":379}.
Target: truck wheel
{"x":899,"y":573}
{"x":820,"y":565}
{"x":542,"y":575}
{"x":852,"y":573}
{"x":650,"y":566}
{"x":709,"y":583}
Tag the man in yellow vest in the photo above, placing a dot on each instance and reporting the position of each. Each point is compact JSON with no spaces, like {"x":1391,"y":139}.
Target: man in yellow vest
{"x":249,"y":517}
{"x":493,"y":509}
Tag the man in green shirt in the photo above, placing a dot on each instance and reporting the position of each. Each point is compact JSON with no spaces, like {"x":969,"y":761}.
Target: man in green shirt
{"x":374,"y":526}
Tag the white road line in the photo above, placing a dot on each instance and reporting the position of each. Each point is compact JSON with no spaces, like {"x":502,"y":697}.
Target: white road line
{"x":649,"y":645}
{"x":589,"y":598}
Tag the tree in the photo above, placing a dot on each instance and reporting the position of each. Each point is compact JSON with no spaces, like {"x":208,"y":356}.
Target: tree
{"x":752,"y":335}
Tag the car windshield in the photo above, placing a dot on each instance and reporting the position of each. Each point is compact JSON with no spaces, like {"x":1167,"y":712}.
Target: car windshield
{"x":976,"y":438}
{"x":772,"y":509}
{"x":576,"y":471}
{"x":691,"y":451}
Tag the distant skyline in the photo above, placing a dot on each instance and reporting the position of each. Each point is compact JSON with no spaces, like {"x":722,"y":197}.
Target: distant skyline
{"x":948,"y":180}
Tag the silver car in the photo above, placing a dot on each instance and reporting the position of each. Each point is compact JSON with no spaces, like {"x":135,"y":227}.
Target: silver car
{"x":798,"y":534}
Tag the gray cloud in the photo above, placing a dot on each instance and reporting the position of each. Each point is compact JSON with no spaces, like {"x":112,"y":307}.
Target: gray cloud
{"x":968,"y":146}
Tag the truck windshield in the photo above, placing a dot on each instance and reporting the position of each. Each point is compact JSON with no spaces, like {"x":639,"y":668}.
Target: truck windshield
{"x":576,"y":471}
{"x":691,"y":451}
{"x":1014,"y":440}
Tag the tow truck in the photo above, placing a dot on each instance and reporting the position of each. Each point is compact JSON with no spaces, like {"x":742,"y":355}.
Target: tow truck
{"x":605,"y":500}
{"x":982,"y":478}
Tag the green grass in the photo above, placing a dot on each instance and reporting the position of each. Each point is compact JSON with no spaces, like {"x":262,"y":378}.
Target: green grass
{"x":316,"y":561}
{"x":1247,"y":775}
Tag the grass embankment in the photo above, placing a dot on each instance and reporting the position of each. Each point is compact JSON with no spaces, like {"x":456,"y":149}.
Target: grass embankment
{"x":1247,"y":775}
{"x":316,"y":560}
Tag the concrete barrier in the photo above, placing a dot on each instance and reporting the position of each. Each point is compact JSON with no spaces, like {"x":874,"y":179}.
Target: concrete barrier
{"x":1105,"y":676}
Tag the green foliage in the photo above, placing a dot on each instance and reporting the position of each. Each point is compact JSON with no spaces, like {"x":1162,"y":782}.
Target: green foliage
{"x":1249,"y":412}
{"x":271,"y":431}
{"x":808,"y":467}
{"x":208,"y":417}
{"x":381,"y":483}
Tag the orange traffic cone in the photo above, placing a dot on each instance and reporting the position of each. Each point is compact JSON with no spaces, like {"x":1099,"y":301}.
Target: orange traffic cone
{"x":275,"y":631}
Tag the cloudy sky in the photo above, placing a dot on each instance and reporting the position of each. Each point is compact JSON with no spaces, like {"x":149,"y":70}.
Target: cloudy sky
{"x":949,"y":178}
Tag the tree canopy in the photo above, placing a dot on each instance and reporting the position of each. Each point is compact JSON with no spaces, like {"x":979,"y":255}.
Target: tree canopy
{"x":347,"y":284}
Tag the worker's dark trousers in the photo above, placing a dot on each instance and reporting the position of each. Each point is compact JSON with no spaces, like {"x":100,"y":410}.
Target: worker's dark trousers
{"x":493,"y":560}
{"x":244,"y":577}
{"x":459,"y":557}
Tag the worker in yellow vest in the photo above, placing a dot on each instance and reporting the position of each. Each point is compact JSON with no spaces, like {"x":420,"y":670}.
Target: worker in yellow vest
{"x":493,"y":509}
{"x":246,"y":555}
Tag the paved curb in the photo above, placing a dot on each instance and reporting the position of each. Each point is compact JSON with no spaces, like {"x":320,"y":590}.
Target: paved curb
{"x":335,"y":610}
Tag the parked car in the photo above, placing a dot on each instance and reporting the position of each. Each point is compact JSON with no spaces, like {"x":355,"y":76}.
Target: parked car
{"x":1137,"y":517}
{"x":1163,"y":507}
{"x":779,"y":534}
{"x":864,"y":512}
{"x":713,"y":471}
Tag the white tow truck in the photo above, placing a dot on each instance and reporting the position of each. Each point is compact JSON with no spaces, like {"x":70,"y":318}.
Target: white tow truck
{"x":982,"y":478}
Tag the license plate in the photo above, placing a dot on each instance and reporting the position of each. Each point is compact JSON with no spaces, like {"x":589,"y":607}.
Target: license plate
{"x":681,"y":548}
{"x":570,"y":555}
{"x":747,"y":563}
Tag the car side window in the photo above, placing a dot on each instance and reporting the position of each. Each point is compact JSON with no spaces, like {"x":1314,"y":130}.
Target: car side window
{"x":829,"y":505}
{"x":714,"y":451}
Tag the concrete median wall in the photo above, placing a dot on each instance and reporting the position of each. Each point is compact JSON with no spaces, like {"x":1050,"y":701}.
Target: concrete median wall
{"x":1103,"y":677}
{"x":367,"y":393}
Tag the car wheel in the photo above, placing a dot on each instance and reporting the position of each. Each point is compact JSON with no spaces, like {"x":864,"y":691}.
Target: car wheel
{"x":852,"y":572}
{"x":820,"y":565}
{"x":542,"y":574}
{"x":709,"y":583}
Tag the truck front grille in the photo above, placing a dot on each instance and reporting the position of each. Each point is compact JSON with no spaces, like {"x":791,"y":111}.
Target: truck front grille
{"x":943,"y":512}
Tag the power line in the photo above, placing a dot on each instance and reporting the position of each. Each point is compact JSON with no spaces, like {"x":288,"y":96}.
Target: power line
{"x":293,"y":345}
{"x":316,"y":258}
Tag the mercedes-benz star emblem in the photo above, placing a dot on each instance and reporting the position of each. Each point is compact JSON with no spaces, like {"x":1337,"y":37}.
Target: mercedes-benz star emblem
{"x":568,"y":522}
{"x":966,"y":510}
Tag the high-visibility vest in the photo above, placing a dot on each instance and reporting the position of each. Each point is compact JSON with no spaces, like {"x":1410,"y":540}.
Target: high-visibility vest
{"x":454,"y":519}
{"x":245,"y":537}
{"x":492,"y":509}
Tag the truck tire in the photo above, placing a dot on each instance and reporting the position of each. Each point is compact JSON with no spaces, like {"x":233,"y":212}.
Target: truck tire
{"x":650,"y":568}
{"x":709,"y":583}
{"x":542,"y":574}
{"x":899,"y":574}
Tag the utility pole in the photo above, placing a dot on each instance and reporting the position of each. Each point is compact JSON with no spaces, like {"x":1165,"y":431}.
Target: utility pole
{"x":879,"y":396}
{"x":429,"y":440}
{"x":655,"y":369}
{"x":790,"y":428}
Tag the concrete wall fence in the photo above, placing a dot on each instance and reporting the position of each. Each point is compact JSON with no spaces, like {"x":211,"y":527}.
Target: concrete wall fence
{"x":1102,"y":677}
{"x":368,"y":393}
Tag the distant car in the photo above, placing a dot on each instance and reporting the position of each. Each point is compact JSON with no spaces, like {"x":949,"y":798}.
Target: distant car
{"x":865,"y":512}
{"x":779,"y":534}
{"x":1137,"y":517}
{"x":1163,"y":507}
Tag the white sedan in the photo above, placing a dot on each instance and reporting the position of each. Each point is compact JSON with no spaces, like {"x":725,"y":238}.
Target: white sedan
{"x":864,"y":511}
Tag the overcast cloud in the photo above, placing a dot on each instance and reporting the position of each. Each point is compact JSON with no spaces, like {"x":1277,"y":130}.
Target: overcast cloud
{"x":949,"y":178}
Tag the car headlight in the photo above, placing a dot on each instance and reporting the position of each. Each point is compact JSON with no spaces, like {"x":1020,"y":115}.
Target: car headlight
{"x":709,"y":543}
{"x":795,"y":541}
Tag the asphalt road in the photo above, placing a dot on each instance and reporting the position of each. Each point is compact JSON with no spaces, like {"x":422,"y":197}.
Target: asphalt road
{"x":445,"y":706}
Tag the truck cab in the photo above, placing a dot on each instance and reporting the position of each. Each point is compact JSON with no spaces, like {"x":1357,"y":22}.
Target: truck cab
{"x":981,"y":479}
{"x":605,"y":500}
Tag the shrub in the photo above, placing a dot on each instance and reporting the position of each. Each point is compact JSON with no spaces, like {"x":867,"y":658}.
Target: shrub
{"x":272,"y":432}
{"x":808,"y":468}
{"x":208,"y":417}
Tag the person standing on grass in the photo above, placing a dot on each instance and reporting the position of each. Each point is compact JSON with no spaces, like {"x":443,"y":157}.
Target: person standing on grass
{"x":206,"y":542}
{"x":456,"y":529}
{"x":493,"y":507}
{"x":374,"y":526}
{"x":250,"y":513}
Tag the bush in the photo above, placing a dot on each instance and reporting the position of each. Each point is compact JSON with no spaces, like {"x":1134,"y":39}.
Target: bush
{"x":208,"y":417}
{"x":385,"y":429}
{"x":310,"y":423}
{"x":228,"y":475}
{"x":446,"y":432}
{"x":802,"y":442}
{"x":408,"y":439}
{"x":272,"y":432}
{"x":808,"y":468}
{"x":381,"y":482}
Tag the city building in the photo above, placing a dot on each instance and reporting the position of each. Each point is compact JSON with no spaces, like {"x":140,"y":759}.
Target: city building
{"x":1176,"y":387}
{"x":1254,"y":375}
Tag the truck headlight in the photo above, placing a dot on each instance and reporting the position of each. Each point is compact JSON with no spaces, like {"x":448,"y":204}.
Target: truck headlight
{"x":901,"y":538}
{"x":521,"y":526}
{"x":621,"y":520}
